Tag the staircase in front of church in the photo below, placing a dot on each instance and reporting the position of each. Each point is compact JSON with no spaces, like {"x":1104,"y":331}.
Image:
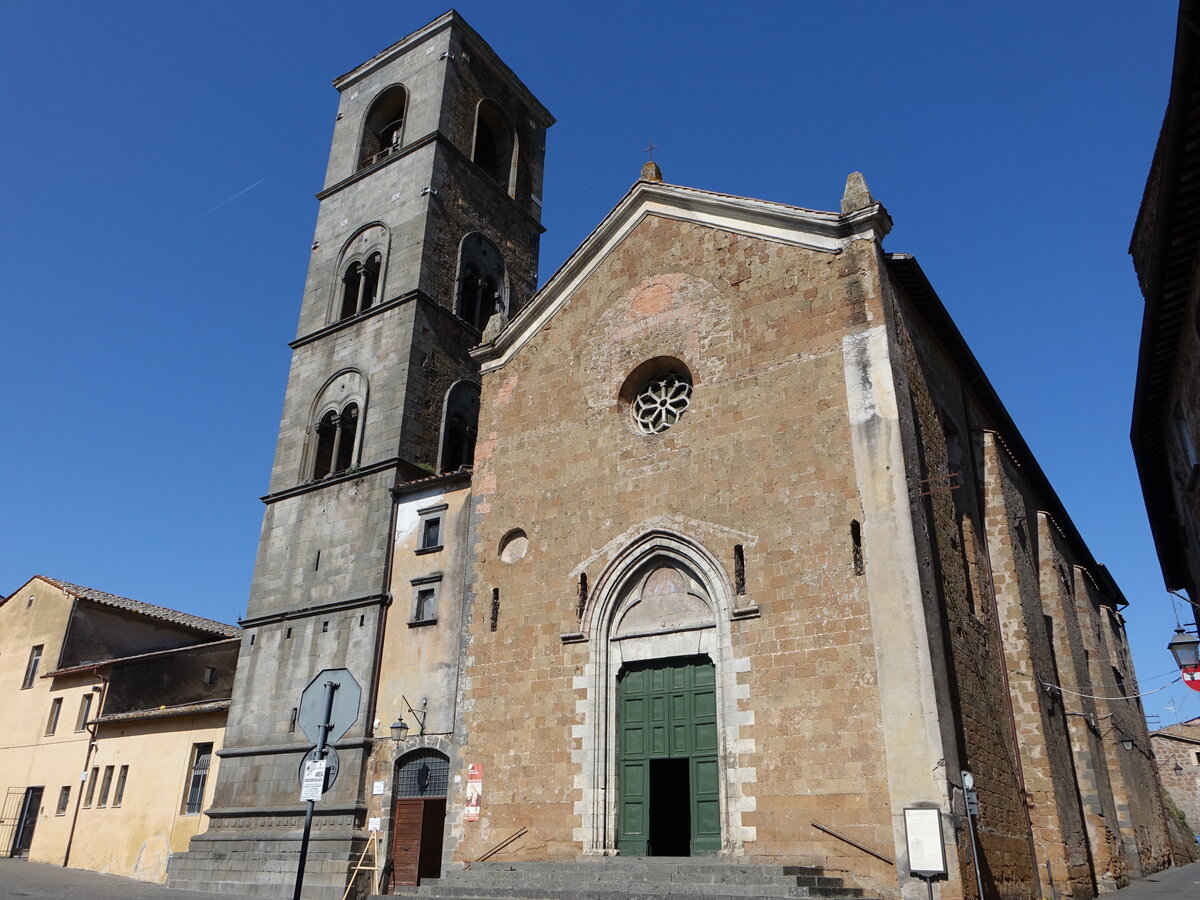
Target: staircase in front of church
{"x":633,"y":878}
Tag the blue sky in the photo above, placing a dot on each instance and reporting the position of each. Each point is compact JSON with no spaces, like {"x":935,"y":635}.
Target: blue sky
{"x":162,"y":158}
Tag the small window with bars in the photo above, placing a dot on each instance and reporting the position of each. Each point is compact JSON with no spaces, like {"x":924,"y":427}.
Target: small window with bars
{"x":64,"y":799}
{"x":105,"y":786}
{"x":193,"y":802}
{"x":91,"y":786}
{"x":422,"y":773}
{"x":119,"y":794}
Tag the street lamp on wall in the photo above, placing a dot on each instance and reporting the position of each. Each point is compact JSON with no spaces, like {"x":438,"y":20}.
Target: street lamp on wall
{"x":399,"y":729}
{"x":1126,"y":742}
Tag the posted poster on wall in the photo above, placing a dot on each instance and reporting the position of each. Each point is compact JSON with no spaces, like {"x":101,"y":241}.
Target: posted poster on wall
{"x":474,"y":791}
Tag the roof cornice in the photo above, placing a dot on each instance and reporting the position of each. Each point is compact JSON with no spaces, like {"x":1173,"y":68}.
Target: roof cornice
{"x":824,"y":232}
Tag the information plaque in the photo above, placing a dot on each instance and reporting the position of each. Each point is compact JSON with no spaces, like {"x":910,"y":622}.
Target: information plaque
{"x":926,"y":850}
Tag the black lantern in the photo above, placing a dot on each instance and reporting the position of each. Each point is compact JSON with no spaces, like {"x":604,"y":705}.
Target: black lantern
{"x":1126,"y":742}
{"x":399,"y":729}
{"x":1185,"y":648}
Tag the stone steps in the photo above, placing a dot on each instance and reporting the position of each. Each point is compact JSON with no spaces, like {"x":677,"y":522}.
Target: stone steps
{"x":633,"y":878}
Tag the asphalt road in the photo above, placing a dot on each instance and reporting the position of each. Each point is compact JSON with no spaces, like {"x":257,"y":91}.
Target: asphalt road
{"x":21,"y":878}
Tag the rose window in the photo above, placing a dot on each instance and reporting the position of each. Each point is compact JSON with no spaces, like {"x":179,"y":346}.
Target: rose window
{"x":661,"y":401}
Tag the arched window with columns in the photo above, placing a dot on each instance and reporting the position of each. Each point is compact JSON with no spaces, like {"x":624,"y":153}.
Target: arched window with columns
{"x":335,"y":439}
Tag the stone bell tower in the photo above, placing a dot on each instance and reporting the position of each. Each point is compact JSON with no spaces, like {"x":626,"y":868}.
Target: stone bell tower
{"x":427,"y":230}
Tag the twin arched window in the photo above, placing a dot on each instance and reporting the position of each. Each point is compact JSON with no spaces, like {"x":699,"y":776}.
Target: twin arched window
{"x":360,"y":285}
{"x":383,"y":128}
{"x":336,"y":430}
{"x":337,"y":437}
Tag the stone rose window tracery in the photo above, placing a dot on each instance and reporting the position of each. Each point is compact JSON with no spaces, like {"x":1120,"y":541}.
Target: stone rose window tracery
{"x":661,"y":401}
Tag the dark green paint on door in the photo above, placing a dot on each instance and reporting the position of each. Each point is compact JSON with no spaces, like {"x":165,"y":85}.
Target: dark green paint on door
{"x":668,"y":710}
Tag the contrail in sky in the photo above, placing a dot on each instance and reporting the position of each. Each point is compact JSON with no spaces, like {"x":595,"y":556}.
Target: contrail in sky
{"x":230,"y":199}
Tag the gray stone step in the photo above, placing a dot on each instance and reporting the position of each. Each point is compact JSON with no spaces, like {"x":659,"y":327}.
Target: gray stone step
{"x":633,"y":878}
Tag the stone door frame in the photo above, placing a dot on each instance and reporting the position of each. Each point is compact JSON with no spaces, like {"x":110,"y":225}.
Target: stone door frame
{"x":597,"y":753}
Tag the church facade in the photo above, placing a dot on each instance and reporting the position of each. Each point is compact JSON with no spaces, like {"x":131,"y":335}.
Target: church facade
{"x":720,"y":544}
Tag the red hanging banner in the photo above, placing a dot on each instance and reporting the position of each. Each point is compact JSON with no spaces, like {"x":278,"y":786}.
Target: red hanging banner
{"x":475,"y":790}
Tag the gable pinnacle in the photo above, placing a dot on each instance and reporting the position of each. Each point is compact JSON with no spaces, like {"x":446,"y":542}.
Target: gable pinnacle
{"x":857,"y":195}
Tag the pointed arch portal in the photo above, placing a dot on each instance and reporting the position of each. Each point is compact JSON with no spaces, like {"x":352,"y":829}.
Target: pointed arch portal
{"x":660,"y":709}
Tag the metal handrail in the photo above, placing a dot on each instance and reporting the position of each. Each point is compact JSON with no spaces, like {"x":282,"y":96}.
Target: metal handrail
{"x":500,"y":846}
{"x":852,"y":842}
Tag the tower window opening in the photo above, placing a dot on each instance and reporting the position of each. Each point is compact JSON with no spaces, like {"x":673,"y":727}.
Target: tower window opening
{"x":480,"y":281}
{"x":360,"y":285}
{"x":383,"y":128}
{"x":494,"y":144}
{"x":460,"y":426}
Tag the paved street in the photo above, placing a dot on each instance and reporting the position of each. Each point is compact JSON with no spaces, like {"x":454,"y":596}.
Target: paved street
{"x":19,"y":878}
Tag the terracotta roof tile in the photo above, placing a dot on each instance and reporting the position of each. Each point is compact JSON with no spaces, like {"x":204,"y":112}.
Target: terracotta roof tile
{"x":148,"y":610}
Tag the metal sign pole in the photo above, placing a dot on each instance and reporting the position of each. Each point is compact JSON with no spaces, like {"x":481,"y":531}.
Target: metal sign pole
{"x":325,"y":727}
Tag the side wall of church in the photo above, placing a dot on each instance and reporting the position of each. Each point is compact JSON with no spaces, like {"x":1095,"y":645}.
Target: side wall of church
{"x":946,"y":479}
{"x":759,"y":462}
{"x":1032,"y":636}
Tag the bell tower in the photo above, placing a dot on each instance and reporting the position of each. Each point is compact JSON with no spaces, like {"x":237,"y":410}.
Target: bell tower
{"x":427,"y":233}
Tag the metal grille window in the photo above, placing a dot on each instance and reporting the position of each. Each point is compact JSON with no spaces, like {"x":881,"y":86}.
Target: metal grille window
{"x":91,"y":786}
{"x":120,"y":792}
{"x":64,"y":799}
{"x":105,"y":786}
{"x":198,"y":777}
{"x":85,"y":709}
{"x":31,"y":668}
{"x":422,"y":773}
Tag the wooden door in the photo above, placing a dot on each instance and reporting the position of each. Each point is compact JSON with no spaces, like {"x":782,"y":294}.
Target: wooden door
{"x":408,"y":821}
{"x":417,"y":839}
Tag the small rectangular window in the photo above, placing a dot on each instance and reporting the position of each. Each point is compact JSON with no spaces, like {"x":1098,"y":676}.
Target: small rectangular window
{"x":430,"y":528}
{"x":31,"y":668}
{"x":193,"y":800}
{"x":55,"y":709}
{"x":91,"y":786}
{"x":210,"y":675}
{"x":105,"y":785}
{"x":85,"y":709}
{"x":425,"y":599}
{"x":64,"y":799}
{"x":119,"y":794}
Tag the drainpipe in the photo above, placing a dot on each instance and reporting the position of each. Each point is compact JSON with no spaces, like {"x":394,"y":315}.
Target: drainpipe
{"x":93,"y":735}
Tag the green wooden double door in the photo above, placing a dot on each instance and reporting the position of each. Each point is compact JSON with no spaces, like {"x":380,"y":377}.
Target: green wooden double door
{"x":669,"y":791}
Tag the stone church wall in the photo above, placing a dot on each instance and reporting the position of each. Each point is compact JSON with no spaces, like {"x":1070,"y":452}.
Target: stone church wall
{"x":759,"y":461}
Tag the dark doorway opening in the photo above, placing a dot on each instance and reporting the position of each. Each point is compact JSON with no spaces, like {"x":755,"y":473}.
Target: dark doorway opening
{"x":27,"y":821}
{"x":670,"y":808}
